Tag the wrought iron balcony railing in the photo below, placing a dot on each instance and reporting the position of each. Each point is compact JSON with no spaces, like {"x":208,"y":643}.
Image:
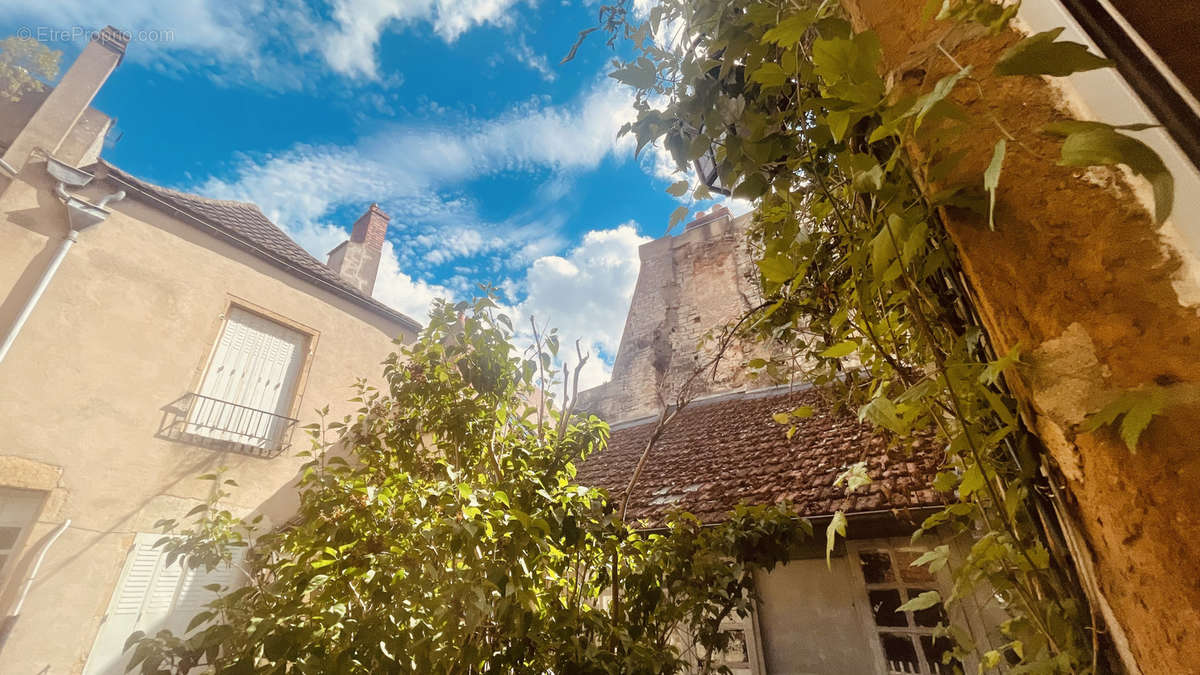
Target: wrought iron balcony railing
{"x":202,"y":420}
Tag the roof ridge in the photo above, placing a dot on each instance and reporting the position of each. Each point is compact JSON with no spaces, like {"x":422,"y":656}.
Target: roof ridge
{"x":292,"y":256}
{"x":190,"y":195}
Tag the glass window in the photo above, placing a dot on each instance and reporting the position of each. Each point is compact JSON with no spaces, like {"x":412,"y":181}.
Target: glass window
{"x":906,"y":638}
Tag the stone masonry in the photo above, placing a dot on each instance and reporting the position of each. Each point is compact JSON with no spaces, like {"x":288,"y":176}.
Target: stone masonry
{"x":690,"y":286}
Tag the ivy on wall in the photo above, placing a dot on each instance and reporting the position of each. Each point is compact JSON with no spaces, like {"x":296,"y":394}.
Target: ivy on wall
{"x":863,"y":284}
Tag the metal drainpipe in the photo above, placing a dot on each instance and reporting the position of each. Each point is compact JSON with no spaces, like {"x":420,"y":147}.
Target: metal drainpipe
{"x":81,"y":216}
{"x":47,"y":275}
{"x":9,"y":622}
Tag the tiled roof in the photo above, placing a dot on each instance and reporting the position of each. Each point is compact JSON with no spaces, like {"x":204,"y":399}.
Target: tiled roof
{"x":246,"y":225}
{"x":718,"y":453}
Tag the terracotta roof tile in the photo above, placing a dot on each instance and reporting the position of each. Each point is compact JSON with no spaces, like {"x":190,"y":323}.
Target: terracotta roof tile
{"x":718,"y":453}
{"x":248,"y":226}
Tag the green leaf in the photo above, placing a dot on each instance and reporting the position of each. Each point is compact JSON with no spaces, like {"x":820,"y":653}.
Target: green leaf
{"x":789,"y":31}
{"x":838,"y":121}
{"x":778,"y":269}
{"x":1040,"y":55}
{"x":678,"y":189}
{"x":852,"y":59}
{"x":854,"y":477}
{"x":923,"y":601}
{"x":837,"y":525}
{"x":925,"y":104}
{"x":769,"y":75}
{"x":883,"y":413}
{"x":1135,"y":408}
{"x":991,"y":180}
{"x":992,"y":372}
{"x":935,"y":559}
{"x":973,"y":480}
{"x":1097,"y":144}
{"x":640,"y":74}
{"x":840,"y":349}
{"x":676,"y":216}
{"x":781,"y":418}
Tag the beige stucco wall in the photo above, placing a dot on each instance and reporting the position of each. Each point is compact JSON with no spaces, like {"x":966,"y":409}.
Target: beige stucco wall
{"x":124,"y":329}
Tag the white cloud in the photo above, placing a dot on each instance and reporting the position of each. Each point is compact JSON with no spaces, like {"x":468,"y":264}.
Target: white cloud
{"x":525,"y":55}
{"x":413,"y":172}
{"x":397,"y":289}
{"x":586,"y":294}
{"x":270,"y":42}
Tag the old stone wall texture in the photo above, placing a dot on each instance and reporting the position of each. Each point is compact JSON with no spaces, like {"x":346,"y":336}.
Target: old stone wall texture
{"x":690,"y":286}
{"x":1077,"y":274}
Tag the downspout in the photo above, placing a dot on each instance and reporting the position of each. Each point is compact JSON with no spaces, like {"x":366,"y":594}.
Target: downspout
{"x":81,"y":215}
{"x":9,"y":622}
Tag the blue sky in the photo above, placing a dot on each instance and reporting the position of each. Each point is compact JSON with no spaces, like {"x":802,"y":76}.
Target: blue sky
{"x":496,"y":163}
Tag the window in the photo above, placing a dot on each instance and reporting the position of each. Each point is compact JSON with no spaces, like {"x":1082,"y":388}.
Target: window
{"x":247,"y":392}
{"x":18,"y":511}
{"x":150,"y":596}
{"x":905,"y":639}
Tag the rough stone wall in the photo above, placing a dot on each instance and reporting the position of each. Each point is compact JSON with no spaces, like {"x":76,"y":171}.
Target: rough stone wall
{"x":690,"y":285}
{"x":1077,"y":273}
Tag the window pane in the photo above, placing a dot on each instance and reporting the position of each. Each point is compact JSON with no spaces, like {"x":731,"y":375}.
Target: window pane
{"x":8,"y":537}
{"x":928,"y":617}
{"x":737,"y":651}
{"x":883,"y":607}
{"x":900,"y":653}
{"x":877,"y":567}
{"x":918,"y":575}
{"x":933,"y":650}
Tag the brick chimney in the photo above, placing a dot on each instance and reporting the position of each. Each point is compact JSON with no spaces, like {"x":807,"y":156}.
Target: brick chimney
{"x":54,"y":120}
{"x":357,"y":259}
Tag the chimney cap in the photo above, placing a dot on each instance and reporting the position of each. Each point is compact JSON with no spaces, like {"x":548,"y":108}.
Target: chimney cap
{"x":113,"y":39}
{"x":375,"y":207}
{"x":701,"y":218}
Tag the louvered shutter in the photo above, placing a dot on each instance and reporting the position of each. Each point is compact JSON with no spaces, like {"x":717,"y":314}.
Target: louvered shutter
{"x":253,"y":371}
{"x":150,"y":596}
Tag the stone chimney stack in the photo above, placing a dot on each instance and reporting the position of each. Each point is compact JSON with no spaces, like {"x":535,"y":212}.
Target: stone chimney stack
{"x":54,"y":120}
{"x":357,"y":259}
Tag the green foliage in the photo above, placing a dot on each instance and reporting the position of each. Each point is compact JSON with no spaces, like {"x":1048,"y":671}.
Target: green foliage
{"x":25,"y":66}
{"x":991,"y":180}
{"x":1094,"y":143}
{"x":1134,"y":408}
{"x":862,"y":283}
{"x":442,"y":531}
{"x":1040,"y":55}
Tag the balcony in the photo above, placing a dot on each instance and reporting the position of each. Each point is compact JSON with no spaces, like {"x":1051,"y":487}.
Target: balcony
{"x":201,"y":420}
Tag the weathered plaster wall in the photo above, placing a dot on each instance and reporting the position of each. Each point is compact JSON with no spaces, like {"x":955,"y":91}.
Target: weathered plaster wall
{"x":124,"y":329}
{"x":1078,"y":273}
{"x":689,"y":285}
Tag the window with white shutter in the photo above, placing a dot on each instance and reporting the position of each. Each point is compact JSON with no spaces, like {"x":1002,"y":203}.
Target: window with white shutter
{"x":248,"y":388}
{"x":151,"y":596}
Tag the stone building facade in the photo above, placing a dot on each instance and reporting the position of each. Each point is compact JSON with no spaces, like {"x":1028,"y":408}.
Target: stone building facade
{"x":690,"y":287}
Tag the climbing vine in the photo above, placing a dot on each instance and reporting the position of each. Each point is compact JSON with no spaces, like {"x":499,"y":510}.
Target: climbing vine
{"x":792,"y":109}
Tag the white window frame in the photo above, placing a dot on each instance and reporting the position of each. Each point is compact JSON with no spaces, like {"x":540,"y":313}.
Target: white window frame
{"x":873,"y":631}
{"x":23,"y":517}
{"x":200,"y":417}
